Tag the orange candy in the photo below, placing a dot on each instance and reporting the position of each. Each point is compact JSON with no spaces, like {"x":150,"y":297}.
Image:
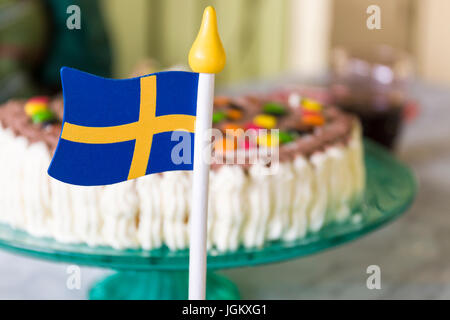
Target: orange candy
{"x":231,"y":126}
{"x":232,"y":129}
{"x":221,"y":101}
{"x":223,"y":145}
{"x":313,"y":120}
{"x":234,"y":114}
{"x":312,"y":113}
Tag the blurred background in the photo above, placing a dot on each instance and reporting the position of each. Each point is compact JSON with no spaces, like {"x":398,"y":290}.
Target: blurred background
{"x":263,"y":38}
{"x":394,"y":77}
{"x":365,"y":56}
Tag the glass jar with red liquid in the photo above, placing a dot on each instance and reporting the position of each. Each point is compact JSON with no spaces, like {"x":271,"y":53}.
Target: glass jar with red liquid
{"x":371,"y":83}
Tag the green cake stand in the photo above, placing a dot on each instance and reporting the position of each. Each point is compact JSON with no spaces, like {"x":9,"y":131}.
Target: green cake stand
{"x":163,"y":274}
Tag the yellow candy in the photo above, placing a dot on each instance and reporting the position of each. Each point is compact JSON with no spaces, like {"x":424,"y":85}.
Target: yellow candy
{"x":268,"y":140}
{"x":32,"y":108}
{"x":311,"y":105}
{"x":265,"y":121}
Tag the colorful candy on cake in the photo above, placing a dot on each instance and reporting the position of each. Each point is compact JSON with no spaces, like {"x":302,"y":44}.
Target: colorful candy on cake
{"x":317,"y":178}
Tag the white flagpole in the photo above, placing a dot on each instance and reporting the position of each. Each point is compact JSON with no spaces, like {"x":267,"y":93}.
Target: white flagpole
{"x":206,"y":57}
{"x":198,"y":223}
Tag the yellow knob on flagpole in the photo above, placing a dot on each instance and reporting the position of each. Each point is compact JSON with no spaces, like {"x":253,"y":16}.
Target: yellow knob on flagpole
{"x":207,"y":54}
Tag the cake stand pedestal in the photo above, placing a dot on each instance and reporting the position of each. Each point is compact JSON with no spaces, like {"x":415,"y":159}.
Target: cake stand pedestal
{"x":162,"y":274}
{"x":159,"y":285}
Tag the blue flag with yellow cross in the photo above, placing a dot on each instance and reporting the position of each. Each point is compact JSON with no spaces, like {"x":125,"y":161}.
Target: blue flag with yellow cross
{"x":117,"y":130}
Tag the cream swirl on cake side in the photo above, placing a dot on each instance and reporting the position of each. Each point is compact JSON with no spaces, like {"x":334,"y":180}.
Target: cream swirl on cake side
{"x":320,"y":180}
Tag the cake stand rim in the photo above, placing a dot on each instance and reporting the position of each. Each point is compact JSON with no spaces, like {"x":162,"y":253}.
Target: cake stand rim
{"x":289,"y":251}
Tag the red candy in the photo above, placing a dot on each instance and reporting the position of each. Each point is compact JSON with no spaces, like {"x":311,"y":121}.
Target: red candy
{"x":39,"y":99}
{"x":306,"y":113}
{"x":247,"y":143}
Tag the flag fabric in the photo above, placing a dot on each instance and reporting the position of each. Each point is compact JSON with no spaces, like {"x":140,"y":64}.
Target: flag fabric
{"x":117,"y":130}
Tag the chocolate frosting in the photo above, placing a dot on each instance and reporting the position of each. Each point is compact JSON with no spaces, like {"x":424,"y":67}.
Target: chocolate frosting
{"x":13,"y":116}
{"x":336,"y":130}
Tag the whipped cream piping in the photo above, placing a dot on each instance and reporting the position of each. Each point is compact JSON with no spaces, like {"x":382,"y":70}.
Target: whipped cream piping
{"x":247,"y":206}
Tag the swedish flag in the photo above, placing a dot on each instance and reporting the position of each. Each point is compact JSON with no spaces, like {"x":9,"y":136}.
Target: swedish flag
{"x":116,"y":130}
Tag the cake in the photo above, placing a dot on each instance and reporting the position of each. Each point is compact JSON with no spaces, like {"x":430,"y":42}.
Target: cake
{"x":319,"y":179}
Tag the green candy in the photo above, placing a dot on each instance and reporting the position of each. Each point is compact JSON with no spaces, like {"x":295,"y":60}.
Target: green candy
{"x":285,"y":137}
{"x":43,"y":116}
{"x":274,"y":108}
{"x":218,"y":116}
